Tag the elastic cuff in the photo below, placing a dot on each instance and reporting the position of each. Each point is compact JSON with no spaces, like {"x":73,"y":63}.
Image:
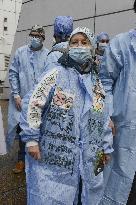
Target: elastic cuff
{"x":31,"y":143}
{"x":16,"y":96}
{"x":108,"y":151}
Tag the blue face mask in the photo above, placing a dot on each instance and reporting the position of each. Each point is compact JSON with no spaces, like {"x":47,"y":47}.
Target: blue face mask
{"x":80,"y":54}
{"x":102,"y":46}
{"x":35,"y":42}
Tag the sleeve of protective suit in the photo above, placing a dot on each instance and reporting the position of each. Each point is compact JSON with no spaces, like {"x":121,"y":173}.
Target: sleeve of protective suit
{"x":110,"y":68}
{"x":107,"y":138}
{"x":53,"y":57}
{"x":33,"y":104}
{"x":52,"y":60}
{"x":14,"y":75}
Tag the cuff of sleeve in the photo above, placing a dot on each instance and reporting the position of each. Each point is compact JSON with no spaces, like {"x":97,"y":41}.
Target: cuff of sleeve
{"x":31,"y":143}
{"x":108,"y":150}
{"x":16,"y":96}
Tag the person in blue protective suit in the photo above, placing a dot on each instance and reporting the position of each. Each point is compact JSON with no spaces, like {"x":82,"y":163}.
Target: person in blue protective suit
{"x":118,"y":75}
{"x":26,"y":67}
{"x":102,"y":41}
{"x":67,"y":135}
{"x":63,"y":27}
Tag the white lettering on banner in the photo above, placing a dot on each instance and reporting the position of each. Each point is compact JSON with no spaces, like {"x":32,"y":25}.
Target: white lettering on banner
{"x":39,"y":97}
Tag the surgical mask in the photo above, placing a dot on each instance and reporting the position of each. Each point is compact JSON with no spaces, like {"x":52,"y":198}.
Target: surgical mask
{"x":102,"y":45}
{"x":80,"y":54}
{"x":35,"y":42}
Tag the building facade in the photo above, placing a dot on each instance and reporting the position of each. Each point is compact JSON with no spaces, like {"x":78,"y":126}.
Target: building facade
{"x":99,"y":15}
{"x":9,"y":14}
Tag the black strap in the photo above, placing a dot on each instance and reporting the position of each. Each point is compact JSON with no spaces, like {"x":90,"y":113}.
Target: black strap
{"x":61,"y":50}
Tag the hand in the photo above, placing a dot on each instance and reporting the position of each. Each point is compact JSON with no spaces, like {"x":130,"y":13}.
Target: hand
{"x":97,"y":62}
{"x":34,"y":151}
{"x":39,"y":103}
{"x":111,"y":125}
{"x":18,"y":102}
{"x":107,"y":158}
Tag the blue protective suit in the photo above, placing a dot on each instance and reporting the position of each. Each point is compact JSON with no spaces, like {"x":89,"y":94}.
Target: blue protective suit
{"x":64,"y":114}
{"x":25,"y":69}
{"x":118,"y":75}
{"x":99,"y":58}
{"x":55,"y":53}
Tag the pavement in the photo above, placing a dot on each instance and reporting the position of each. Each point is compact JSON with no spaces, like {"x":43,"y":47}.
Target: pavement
{"x":12,"y":186}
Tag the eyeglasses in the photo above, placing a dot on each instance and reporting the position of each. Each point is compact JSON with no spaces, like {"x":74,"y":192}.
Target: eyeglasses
{"x":36,"y":36}
{"x":104,"y":41}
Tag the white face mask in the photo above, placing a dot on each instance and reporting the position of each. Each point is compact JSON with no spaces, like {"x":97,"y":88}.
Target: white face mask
{"x":103,"y":45}
{"x":80,"y":54}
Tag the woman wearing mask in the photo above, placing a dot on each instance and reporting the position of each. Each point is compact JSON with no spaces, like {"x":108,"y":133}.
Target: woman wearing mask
{"x":67,"y":136}
{"x":102,"y":41}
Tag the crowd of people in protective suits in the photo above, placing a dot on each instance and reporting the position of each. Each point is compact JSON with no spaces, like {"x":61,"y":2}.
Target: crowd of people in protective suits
{"x":73,"y":111}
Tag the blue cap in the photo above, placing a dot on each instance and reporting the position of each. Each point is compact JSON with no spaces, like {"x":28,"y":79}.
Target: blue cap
{"x":102,"y":35}
{"x":63,"y":26}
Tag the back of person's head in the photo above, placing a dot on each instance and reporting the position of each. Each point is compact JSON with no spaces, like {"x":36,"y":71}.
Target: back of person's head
{"x":134,"y":6}
{"x":63,"y":27}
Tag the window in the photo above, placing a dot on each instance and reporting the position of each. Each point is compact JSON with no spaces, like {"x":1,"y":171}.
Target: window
{"x":1,"y":90}
{"x":5,"y":28}
{"x":5,"y":19}
{"x":6,"y":59}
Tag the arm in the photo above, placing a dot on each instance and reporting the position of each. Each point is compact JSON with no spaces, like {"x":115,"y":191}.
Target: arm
{"x":14,"y":75}
{"x":14,"y":80}
{"x":103,"y":157}
{"x":103,"y":154}
{"x":110,"y":69}
{"x":52,"y":60}
{"x":107,"y":137}
{"x":33,"y":103}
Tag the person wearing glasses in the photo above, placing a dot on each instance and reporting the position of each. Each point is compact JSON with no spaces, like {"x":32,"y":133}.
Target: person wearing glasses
{"x":26,"y":67}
